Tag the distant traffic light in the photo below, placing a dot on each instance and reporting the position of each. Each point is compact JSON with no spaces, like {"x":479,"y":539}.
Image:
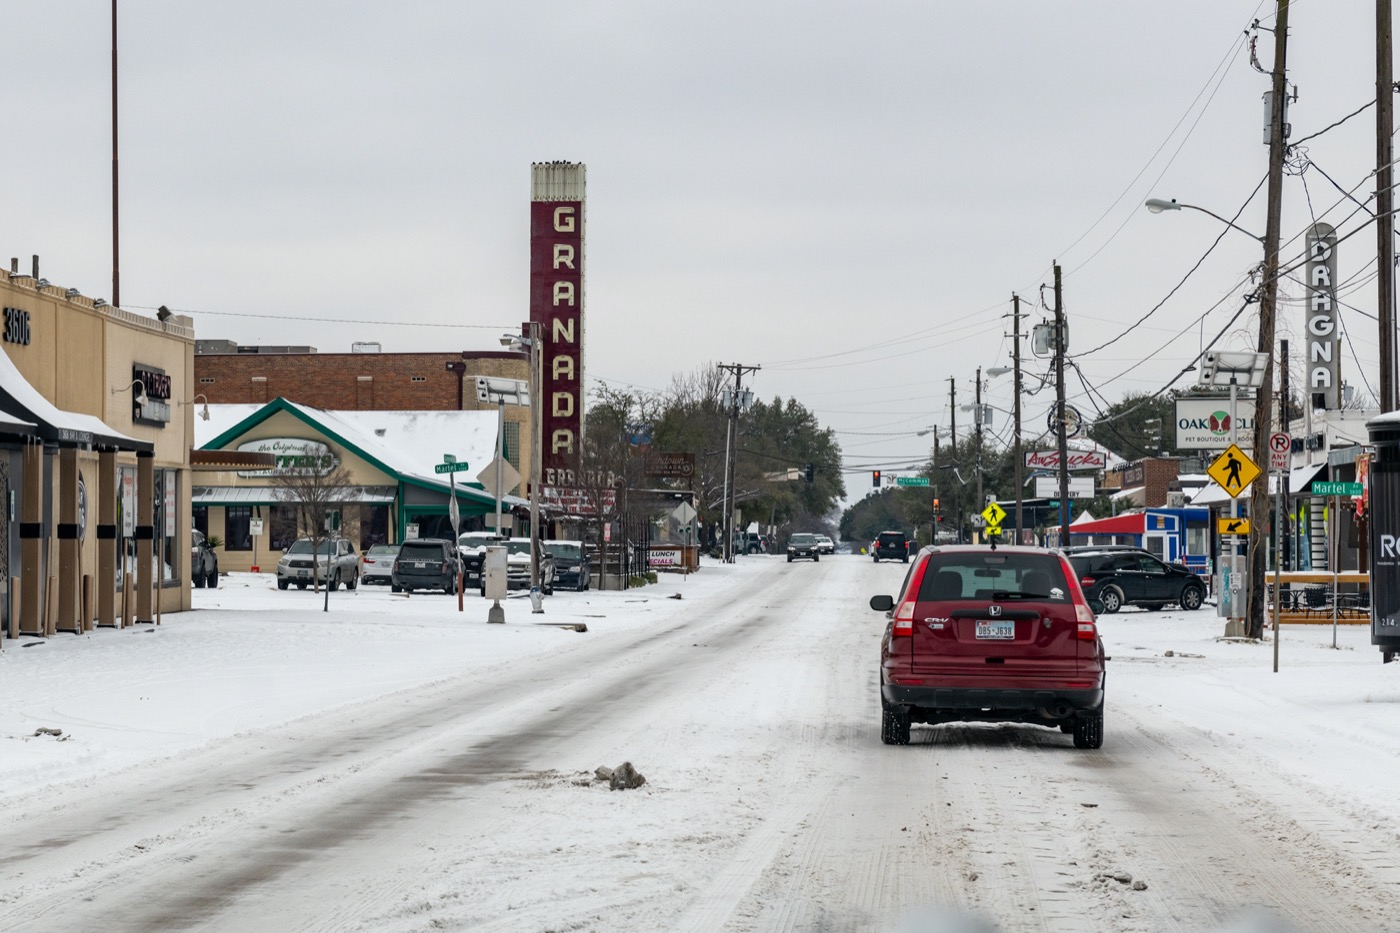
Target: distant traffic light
{"x":935,"y":503}
{"x":808,"y":473}
{"x":875,"y":477}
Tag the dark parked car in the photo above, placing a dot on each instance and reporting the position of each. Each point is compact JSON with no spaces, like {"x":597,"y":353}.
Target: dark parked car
{"x":1002,"y":635}
{"x":803,"y":546}
{"x":426,"y":564}
{"x":204,"y":563}
{"x":472,"y":546}
{"x":891,"y":545}
{"x":571,"y":565}
{"x":1133,"y":577}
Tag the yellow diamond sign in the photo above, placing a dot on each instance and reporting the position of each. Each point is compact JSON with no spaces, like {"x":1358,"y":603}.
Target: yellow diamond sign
{"x":994,"y":514}
{"x":1234,"y":471}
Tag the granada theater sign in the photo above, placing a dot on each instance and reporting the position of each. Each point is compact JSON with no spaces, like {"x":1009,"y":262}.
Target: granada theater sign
{"x":556,"y":304}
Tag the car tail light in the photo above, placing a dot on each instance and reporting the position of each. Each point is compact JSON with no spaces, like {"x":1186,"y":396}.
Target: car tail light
{"x":1086,"y":581}
{"x":904,"y":615}
{"x":1083,"y":615}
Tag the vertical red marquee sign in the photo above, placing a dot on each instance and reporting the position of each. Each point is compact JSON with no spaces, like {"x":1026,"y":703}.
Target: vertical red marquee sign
{"x":556,"y":304}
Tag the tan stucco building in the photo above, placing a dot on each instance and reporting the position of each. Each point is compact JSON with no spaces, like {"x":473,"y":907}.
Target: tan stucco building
{"x":95,"y":434}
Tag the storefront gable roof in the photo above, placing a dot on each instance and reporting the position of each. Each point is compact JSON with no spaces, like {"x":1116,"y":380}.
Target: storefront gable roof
{"x":401,"y":444}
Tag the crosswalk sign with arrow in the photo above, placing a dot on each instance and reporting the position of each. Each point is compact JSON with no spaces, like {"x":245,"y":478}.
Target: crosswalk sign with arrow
{"x":1234,"y":471}
{"x":1232,"y":526}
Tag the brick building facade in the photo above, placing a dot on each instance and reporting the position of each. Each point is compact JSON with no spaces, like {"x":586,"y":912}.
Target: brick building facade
{"x":228,"y":374}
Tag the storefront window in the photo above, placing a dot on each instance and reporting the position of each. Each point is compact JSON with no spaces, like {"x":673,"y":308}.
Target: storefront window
{"x":284,"y":527}
{"x":374,"y":526}
{"x":201,"y":519}
{"x":237,"y":533}
{"x":165,"y":496}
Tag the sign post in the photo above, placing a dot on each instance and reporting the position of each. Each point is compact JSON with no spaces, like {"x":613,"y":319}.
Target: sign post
{"x":1280,"y":444}
{"x":1336,"y":490}
{"x":453,"y":512}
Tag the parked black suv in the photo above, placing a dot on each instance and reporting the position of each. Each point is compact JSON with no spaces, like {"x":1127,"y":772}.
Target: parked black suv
{"x":891,"y":545}
{"x":426,"y":564}
{"x":1117,"y":576}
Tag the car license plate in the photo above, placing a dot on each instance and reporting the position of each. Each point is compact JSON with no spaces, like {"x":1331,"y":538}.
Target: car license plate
{"x":998,"y":629}
{"x":419,"y":564}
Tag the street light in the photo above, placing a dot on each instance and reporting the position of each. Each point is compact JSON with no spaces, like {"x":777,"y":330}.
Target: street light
{"x":531,"y":342}
{"x":1157,"y":205}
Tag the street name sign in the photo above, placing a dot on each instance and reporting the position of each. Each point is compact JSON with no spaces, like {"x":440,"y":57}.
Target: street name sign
{"x":1328,"y":488}
{"x":911,"y":481}
{"x":1234,"y":471}
{"x":450,"y":467}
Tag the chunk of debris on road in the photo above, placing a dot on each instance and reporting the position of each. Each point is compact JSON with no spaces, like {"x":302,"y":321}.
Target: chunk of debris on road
{"x":1139,"y":885}
{"x":626,"y":777}
{"x":603,"y":773}
{"x":674,"y":596}
{"x":46,"y":730}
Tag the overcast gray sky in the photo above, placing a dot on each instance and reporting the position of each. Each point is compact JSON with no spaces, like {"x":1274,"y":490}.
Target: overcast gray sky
{"x":846,"y":194}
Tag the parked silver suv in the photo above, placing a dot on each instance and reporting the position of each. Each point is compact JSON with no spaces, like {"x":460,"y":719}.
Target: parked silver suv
{"x":336,"y":562}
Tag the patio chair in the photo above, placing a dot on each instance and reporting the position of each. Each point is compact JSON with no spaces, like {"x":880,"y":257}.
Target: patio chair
{"x":1317,"y":599}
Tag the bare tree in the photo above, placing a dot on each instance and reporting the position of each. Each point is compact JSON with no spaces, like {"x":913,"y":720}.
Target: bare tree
{"x":320,"y":493}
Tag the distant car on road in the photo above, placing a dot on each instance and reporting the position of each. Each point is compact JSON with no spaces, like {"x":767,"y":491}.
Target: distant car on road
{"x":891,"y":545}
{"x":204,"y":563}
{"x":825,"y":545}
{"x":426,"y":564}
{"x":803,"y":546}
{"x":378,"y":564}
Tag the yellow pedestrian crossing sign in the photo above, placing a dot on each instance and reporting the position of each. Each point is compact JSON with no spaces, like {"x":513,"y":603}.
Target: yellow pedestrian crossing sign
{"x":1232,"y":526}
{"x":1234,"y":471}
{"x":994,"y":514}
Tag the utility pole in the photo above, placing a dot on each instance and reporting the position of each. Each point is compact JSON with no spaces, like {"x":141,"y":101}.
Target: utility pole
{"x":116,"y":245}
{"x":1284,"y":426}
{"x":1268,"y":299}
{"x":1016,"y":405}
{"x":1060,"y":408}
{"x":953,"y":414}
{"x":731,"y":451}
{"x":1385,"y":203}
{"x":977,"y":422}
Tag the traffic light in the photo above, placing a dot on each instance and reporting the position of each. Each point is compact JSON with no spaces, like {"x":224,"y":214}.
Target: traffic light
{"x":808,"y":473}
{"x":875,"y":477}
{"x":935,"y":503}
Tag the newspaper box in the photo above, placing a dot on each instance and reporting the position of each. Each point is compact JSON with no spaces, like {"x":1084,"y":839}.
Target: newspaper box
{"x":493,"y":574}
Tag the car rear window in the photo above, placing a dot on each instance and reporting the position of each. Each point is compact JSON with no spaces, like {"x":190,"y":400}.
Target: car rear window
{"x":421,"y":552}
{"x":887,"y":538}
{"x":994,"y":575}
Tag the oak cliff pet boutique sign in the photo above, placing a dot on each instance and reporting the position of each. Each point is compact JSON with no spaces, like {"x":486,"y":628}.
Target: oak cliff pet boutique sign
{"x":295,"y":456}
{"x":556,"y":305}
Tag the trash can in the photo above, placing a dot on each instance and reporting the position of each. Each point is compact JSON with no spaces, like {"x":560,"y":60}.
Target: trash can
{"x":1382,"y":498}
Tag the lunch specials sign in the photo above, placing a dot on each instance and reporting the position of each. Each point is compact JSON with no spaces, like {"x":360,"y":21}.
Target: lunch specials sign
{"x":556,"y":304}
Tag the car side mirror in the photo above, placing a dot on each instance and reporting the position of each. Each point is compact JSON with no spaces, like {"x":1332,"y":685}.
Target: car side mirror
{"x":882,"y":603}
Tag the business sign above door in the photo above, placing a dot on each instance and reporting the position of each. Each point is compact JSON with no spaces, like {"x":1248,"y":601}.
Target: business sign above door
{"x":295,"y":456}
{"x":1204,"y":423}
{"x":1077,"y":460}
{"x":155,"y":410}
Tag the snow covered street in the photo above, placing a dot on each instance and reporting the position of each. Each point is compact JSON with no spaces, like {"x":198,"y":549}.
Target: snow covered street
{"x":393,"y":765}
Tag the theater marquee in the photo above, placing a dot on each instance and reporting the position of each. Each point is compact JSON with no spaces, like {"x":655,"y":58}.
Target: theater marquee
{"x":556,"y":304}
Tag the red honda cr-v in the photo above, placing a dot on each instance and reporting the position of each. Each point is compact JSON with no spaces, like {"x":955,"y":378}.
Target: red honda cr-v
{"x":980,"y":634}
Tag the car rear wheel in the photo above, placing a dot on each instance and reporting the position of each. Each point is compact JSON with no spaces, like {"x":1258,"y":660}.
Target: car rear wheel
{"x":212,"y":581}
{"x":1112,"y":599}
{"x":1088,"y":729}
{"x":894,"y":725}
{"x":198,"y":580}
{"x":1192,"y":597}
{"x":352,"y":582}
